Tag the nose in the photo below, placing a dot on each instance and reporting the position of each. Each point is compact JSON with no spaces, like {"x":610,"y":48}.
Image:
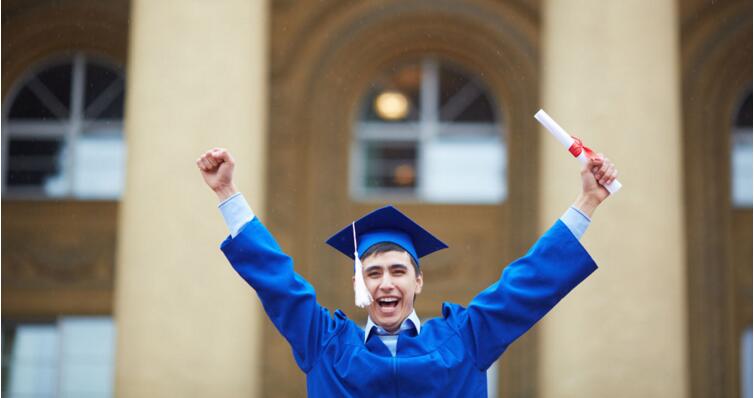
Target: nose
{"x":387,"y":282}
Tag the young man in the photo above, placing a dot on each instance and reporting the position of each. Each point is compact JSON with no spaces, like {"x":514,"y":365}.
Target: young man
{"x":397,"y":355}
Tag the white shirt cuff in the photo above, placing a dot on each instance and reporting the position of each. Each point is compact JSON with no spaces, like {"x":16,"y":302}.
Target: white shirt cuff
{"x":236,"y":212}
{"x":576,"y":221}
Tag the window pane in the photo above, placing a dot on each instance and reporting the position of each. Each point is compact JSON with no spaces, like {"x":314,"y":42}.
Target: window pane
{"x":746,"y":363}
{"x":28,"y":106}
{"x":114,"y":108}
{"x":86,"y":357}
{"x":462,"y":99}
{"x":405,"y":80}
{"x":71,"y":358}
{"x":32,"y":162}
{"x":104,"y":93}
{"x":45,"y":95}
{"x":741,"y":168}
{"x":57,"y":79}
{"x":391,"y":165}
{"x":33,"y":365}
{"x":464,"y":171}
{"x":743,"y":117}
{"x":99,"y":167}
{"x":741,"y":156}
{"x":492,"y":377}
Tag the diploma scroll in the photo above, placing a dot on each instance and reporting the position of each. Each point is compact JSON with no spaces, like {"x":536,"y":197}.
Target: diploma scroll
{"x":572,"y":144}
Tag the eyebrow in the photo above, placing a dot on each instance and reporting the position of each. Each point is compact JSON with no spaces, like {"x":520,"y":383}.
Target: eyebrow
{"x":392,"y":266}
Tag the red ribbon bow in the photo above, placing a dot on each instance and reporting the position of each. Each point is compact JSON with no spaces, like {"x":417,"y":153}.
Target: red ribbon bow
{"x":578,"y":146}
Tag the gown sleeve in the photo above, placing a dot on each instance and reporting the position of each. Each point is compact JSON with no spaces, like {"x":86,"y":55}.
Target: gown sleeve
{"x":288,"y":299}
{"x":527,"y":289}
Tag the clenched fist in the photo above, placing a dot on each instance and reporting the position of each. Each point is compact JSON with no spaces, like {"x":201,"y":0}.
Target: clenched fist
{"x":216,"y":166}
{"x":598,"y":172}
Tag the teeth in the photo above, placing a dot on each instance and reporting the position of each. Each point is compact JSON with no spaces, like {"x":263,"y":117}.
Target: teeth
{"x":388,"y":300}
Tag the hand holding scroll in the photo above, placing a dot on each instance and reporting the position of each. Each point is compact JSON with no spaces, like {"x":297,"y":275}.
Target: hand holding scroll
{"x":598,"y":175}
{"x":573,"y":144}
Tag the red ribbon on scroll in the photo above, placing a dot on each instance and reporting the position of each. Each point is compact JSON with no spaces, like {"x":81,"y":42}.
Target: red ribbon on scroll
{"x":578,"y":146}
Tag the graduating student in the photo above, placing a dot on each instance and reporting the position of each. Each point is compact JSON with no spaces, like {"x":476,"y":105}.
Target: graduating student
{"x":397,"y":355}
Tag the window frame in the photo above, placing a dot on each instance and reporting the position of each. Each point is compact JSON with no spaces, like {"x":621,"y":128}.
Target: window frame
{"x":69,"y":129}
{"x":61,"y":362}
{"x":427,"y":128}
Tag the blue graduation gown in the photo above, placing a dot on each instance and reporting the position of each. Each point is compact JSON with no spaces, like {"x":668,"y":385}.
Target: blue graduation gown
{"x":450,"y":355}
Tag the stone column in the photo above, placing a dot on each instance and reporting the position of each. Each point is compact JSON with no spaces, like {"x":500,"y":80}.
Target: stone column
{"x":187,"y":325}
{"x":611,"y":76}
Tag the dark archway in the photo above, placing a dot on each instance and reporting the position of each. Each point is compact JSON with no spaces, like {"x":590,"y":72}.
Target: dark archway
{"x":320,"y":73}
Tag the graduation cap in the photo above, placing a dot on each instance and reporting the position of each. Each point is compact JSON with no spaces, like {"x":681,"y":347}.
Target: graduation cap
{"x":386,"y":224}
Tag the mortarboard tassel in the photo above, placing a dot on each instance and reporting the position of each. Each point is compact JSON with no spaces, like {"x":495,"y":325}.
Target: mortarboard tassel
{"x":363,"y":298}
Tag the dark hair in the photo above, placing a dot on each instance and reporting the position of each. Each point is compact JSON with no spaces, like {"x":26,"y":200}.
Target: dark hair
{"x":384,"y":247}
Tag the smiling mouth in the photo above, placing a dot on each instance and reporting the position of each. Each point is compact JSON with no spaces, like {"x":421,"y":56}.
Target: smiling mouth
{"x":388,"y":302}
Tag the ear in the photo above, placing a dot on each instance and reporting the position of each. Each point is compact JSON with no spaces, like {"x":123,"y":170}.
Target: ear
{"x":419,"y":283}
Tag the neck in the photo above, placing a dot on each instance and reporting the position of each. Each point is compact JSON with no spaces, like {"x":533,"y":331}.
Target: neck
{"x":393,"y":329}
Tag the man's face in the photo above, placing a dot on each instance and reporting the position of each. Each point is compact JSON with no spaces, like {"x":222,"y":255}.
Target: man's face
{"x":392,"y":281}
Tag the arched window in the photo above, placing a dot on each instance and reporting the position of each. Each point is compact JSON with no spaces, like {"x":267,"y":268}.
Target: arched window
{"x":63,"y":131}
{"x":429,"y":131}
{"x":741,"y":155}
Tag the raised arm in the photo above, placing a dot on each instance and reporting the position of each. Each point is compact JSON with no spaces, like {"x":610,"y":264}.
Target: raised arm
{"x":288,"y":299}
{"x":532,"y":285}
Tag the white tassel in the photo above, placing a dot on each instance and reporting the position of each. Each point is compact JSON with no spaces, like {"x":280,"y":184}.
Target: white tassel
{"x":363,"y":298}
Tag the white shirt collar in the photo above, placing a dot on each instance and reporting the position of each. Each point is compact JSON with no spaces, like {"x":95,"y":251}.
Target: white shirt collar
{"x":412,"y":320}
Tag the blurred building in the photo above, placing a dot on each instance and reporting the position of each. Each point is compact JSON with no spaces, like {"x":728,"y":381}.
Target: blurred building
{"x":113,"y":283}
